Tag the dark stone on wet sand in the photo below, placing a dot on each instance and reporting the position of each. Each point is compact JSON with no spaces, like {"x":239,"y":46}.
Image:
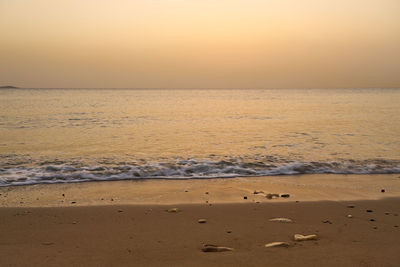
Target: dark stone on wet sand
{"x":285,"y":195}
{"x":214,"y":248}
{"x":371,"y":220}
{"x":244,"y":197}
{"x":383,"y":190}
{"x":369,"y":210}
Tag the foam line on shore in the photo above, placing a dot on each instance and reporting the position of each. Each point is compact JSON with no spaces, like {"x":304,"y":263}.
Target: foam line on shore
{"x":64,"y":172}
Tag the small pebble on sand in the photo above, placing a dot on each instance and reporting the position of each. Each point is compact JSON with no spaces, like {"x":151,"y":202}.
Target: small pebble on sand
{"x":214,"y":248}
{"x":202,"y":221}
{"x":173,"y":210}
{"x":349,"y":216}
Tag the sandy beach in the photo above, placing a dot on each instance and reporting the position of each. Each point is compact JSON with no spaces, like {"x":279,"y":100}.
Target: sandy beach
{"x":200,"y":133}
{"x":112,"y":224}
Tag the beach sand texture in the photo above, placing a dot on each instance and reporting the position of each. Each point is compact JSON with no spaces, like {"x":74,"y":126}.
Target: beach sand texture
{"x":81,"y":231}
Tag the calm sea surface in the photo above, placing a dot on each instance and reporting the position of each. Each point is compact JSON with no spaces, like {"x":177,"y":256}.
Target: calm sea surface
{"x":70,"y":135}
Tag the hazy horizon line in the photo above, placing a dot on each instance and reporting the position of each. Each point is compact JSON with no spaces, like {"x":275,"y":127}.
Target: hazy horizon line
{"x":203,"y":88}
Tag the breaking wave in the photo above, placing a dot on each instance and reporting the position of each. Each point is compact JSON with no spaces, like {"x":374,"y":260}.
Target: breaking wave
{"x":62,"y":172}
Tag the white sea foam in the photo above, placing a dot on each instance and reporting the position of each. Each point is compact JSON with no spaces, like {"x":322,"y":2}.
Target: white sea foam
{"x":184,"y":169}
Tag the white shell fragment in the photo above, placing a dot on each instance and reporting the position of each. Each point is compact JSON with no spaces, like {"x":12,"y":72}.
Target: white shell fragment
{"x":283,"y":220}
{"x":271,"y":196}
{"x":298,"y":237}
{"x":276,"y":244}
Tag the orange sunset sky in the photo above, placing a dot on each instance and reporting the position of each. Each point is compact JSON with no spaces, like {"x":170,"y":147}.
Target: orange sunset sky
{"x":197,"y":44}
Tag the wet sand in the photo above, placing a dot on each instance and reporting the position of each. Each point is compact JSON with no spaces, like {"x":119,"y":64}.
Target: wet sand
{"x":192,"y":191}
{"x":143,"y":233}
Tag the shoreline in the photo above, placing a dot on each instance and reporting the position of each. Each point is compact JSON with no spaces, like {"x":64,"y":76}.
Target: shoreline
{"x":314,"y":187}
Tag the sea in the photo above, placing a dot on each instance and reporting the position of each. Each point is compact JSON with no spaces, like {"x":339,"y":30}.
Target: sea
{"x":82,"y":135}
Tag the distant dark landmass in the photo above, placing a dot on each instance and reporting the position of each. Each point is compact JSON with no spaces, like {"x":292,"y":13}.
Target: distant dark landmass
{"x":8,"y":87}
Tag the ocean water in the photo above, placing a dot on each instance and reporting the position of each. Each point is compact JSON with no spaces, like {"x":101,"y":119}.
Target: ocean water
{"x":75,"y":135}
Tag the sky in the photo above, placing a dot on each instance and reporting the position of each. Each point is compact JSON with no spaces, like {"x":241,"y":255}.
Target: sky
{"x":200,"y":43}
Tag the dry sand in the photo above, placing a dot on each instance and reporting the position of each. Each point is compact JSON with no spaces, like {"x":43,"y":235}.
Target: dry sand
{"x":131,"y":227}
